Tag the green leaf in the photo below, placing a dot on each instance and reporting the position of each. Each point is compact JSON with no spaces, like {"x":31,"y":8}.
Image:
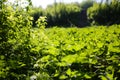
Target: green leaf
{"x":63,"y":64}
{"x":63,"y":77}
{"x":103,"y":77}
{"x":69,"y":58}
{"x":56,"y":73}
{"x":87,"y":76}
{"x":68,"y":72}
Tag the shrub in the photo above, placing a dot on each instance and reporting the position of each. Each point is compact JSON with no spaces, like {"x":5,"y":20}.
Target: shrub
{"x":16,"y":48}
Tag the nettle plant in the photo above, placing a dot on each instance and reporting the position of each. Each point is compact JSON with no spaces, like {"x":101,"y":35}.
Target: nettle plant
{"x":80,"y":54}
{"x":16,"y":56}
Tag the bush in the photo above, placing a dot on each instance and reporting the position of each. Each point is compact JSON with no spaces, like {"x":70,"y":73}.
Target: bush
{"x":16,"y":48}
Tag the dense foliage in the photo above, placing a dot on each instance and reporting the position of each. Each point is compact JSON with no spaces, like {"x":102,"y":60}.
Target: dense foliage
{"x":105,"y":13}
{"x":79,"y":54}
{"x":28,"y":53}
{"x":16,"y":59}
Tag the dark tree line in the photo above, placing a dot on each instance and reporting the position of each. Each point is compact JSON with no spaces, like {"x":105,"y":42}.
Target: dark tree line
{"x":61,"y":14}
{"x":105,"y":13}
{"x":89,"y":12}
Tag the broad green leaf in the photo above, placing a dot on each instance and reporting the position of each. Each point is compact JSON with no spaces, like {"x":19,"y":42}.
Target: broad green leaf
{"x":103,"y":77}
{"x":63,"y":77}
{"x":87,"y":76}
{"x":68,"y":72}
{"x":69,"y":58}
{"x":56,"y":73}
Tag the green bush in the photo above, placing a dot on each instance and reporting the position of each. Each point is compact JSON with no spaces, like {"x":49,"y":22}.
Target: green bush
{"x":16,"y":55}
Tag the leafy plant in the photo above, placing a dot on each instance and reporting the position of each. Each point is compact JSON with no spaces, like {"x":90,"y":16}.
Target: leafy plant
{"x":87,"y":53}
{"x":16,"y":54}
